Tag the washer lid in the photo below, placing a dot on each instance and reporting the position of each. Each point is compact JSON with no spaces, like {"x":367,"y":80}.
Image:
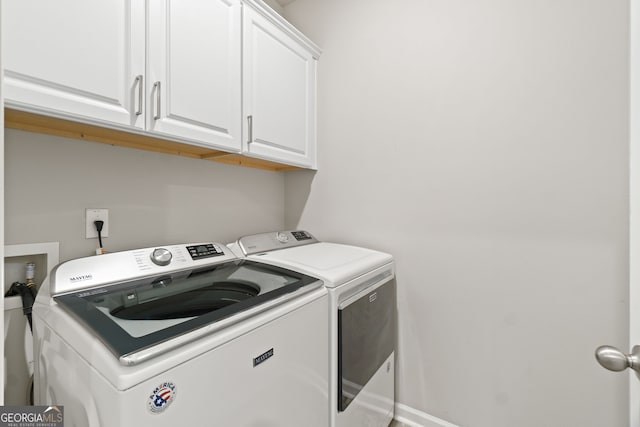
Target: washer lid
{"x":334,"y":263}
{"x":137,"y":315}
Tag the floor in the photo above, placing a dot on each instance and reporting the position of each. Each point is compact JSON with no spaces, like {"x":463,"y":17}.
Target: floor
{"x":395,"y":423}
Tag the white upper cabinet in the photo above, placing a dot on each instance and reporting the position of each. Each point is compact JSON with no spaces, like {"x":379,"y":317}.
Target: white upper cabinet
{"x":222,"y":74}
{"x":89,"y":60}
{"x":194,"y":75}
{"x":279,"y":83}
{"x":75,"y":58}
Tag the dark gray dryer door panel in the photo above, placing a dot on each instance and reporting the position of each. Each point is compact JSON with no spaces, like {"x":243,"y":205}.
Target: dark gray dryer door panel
{"x":366,"y":338}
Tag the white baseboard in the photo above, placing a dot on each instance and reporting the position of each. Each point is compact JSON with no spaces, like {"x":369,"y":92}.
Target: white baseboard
{"x":414,"y":418}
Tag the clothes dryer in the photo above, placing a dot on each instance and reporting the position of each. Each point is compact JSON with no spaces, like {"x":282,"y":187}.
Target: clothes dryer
{"x":361,"y":318}
{"x":181,"y":335}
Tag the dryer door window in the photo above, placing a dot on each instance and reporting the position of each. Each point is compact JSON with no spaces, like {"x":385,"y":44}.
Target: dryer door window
{"x":366,"y":338}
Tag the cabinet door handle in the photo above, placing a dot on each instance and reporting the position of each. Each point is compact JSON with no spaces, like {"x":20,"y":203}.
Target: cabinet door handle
{"x":156,"y":87}
{"x":250,"y":127}
{"x":140,"y":83}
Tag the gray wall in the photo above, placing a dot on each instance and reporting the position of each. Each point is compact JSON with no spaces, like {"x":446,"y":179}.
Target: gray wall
{"x":153,"y":198}
{"x":484,"y":144}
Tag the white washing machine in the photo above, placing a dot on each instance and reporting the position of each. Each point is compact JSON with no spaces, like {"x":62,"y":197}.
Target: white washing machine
{"x":362,"y":319}
{"x":183,"y":335}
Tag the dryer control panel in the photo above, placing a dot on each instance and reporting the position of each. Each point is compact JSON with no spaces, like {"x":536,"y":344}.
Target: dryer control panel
{"x":265,"y":242}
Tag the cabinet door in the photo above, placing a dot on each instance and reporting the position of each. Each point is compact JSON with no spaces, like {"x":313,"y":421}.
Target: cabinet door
{"x":75,"y":58}
{"x":279,"y":80}
{"x":194,"y":71}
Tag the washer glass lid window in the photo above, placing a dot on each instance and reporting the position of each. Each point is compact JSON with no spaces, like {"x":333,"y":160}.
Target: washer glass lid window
{"x":135,"y":315}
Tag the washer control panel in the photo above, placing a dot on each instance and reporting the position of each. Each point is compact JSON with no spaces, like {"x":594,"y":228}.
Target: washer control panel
{"x":95,"y":271}
{"x":204,"y":251}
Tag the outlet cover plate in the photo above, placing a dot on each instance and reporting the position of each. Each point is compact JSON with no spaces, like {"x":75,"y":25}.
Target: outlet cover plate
{"x":94,"y":214}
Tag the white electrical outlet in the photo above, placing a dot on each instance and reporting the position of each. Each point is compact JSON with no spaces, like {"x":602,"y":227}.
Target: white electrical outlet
{"x":92,"y":215}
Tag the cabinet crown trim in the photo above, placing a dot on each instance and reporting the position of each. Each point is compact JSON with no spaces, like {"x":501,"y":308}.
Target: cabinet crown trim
{"x":273,"y":16}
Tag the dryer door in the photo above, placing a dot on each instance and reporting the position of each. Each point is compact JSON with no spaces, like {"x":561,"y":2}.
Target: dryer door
{"x":366,"y":338}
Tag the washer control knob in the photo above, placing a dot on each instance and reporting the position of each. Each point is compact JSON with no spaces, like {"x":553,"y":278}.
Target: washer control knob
{"x":282,"y":237}
{"x":161,"y":256}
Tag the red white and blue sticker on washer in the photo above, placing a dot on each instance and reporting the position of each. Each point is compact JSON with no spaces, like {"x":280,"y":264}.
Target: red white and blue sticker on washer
{"x":161,"y":397}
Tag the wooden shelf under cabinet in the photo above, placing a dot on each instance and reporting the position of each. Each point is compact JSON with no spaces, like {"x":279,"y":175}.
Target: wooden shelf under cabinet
{"x":16,"y":119}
